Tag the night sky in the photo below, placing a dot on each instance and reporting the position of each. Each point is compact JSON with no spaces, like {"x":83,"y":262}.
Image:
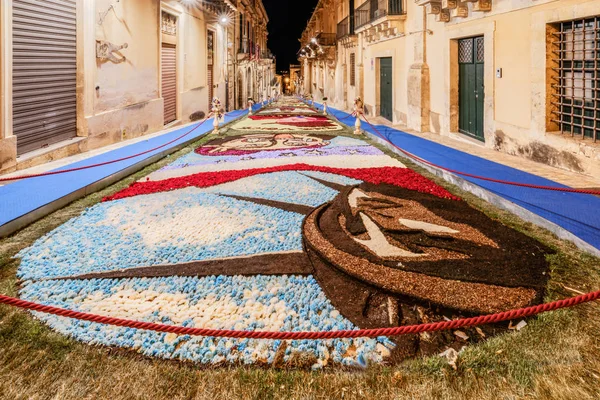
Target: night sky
{"x":287,"y":20}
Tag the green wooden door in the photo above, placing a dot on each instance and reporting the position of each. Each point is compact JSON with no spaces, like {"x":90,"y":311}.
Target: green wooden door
{"x":471,"y":94}
{"x":385,"y":91}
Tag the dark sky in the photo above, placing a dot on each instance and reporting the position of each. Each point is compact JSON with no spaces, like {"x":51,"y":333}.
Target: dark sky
{"x":287,"y":20}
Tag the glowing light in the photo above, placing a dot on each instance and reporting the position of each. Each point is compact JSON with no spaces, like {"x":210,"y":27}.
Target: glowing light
{"x":225,"y":18}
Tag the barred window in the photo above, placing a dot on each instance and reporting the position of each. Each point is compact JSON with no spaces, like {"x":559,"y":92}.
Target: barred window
{"x":576,"y":59}
{"x":352,"y":69}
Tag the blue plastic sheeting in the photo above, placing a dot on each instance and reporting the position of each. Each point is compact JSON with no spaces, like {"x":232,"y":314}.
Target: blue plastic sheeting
{"x":22,"y":197}
{"x":577,"y":213}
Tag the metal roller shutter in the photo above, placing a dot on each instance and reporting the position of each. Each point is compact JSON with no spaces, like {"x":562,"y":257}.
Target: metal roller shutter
{"x":210,"y":65}
{"x":44,"y":72}
{"x":169,"y":81}
{"x":210,"y":85}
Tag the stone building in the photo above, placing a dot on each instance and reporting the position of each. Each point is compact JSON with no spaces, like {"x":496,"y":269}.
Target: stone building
{"x":521,"y":77}
{"x":295,"y":78}
{"x":255,"y":67}
{"x":77,"y":75}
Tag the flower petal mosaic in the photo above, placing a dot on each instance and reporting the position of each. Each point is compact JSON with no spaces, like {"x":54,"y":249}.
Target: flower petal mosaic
{"x":285,"y":223}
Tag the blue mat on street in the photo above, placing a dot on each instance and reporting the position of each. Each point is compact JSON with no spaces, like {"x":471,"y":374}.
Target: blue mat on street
{"x":577,"y":213}
{"x":22,"y":197}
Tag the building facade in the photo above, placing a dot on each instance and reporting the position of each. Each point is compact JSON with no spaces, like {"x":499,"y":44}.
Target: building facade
{"x":295,"y":78}
{"x":521,"y":77}
{"x":77,"y":75}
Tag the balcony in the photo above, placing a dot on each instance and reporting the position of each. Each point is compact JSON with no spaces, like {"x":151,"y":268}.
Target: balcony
{"x":372,"y":10}
{"x":326,"y":39}
{"x":345,"y":28}
{"x":266,"y":55}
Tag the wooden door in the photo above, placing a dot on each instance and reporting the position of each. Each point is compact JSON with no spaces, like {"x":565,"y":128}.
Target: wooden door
{"x":471,"y":87}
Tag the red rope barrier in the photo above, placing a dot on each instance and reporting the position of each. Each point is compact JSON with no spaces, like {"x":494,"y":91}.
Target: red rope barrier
{"x":394,"y":331}
{"x":63,"y":171}
{"x":346,"y":117}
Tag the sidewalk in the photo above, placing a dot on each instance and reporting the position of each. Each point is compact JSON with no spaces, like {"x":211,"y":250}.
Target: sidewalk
{"x":28,"y":200}
{"x":571,"y":216}
{"x":471,"y":146}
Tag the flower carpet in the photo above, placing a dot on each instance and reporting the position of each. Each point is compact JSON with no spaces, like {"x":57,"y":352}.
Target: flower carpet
{"x":297,"y":119}
{"x":287,"y":223}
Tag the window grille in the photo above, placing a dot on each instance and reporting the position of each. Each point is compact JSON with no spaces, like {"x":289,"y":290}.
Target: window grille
{"x":576,"y":56}
{"x":480,"y":49}
{"x":465,"y":51}
{"x":169,"y":24}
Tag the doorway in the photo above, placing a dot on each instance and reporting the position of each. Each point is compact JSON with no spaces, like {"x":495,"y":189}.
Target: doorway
{"x":471,"y":53}
{"x":44,"y":84}
{"x":169,"y":81}
{"x":385,"y":88}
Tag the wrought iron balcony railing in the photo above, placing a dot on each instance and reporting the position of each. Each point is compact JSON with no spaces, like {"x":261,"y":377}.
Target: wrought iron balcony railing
{"x":345,"y":28}
{"x":266,"y":54}
{"x":372,"y":10}
{"x":326,"y":39}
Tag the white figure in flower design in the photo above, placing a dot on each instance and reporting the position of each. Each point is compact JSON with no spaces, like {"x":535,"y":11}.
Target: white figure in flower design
{"x":379,"y":243}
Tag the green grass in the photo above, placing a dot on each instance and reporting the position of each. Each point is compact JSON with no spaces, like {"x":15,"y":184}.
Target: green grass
{"x":556,"y":356}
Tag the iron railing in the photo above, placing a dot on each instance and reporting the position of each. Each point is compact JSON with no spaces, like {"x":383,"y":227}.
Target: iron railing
{"x":576,"y":72}
{"x":266,"y":54}
{"x":345,"y":28}
{"x":326,"y":39}
{"x":372,"y":10}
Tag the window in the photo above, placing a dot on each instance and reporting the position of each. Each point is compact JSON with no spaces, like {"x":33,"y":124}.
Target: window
{"x":576,"y":59}
{"x":352,"y":69}
{"x":169,"y":24}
